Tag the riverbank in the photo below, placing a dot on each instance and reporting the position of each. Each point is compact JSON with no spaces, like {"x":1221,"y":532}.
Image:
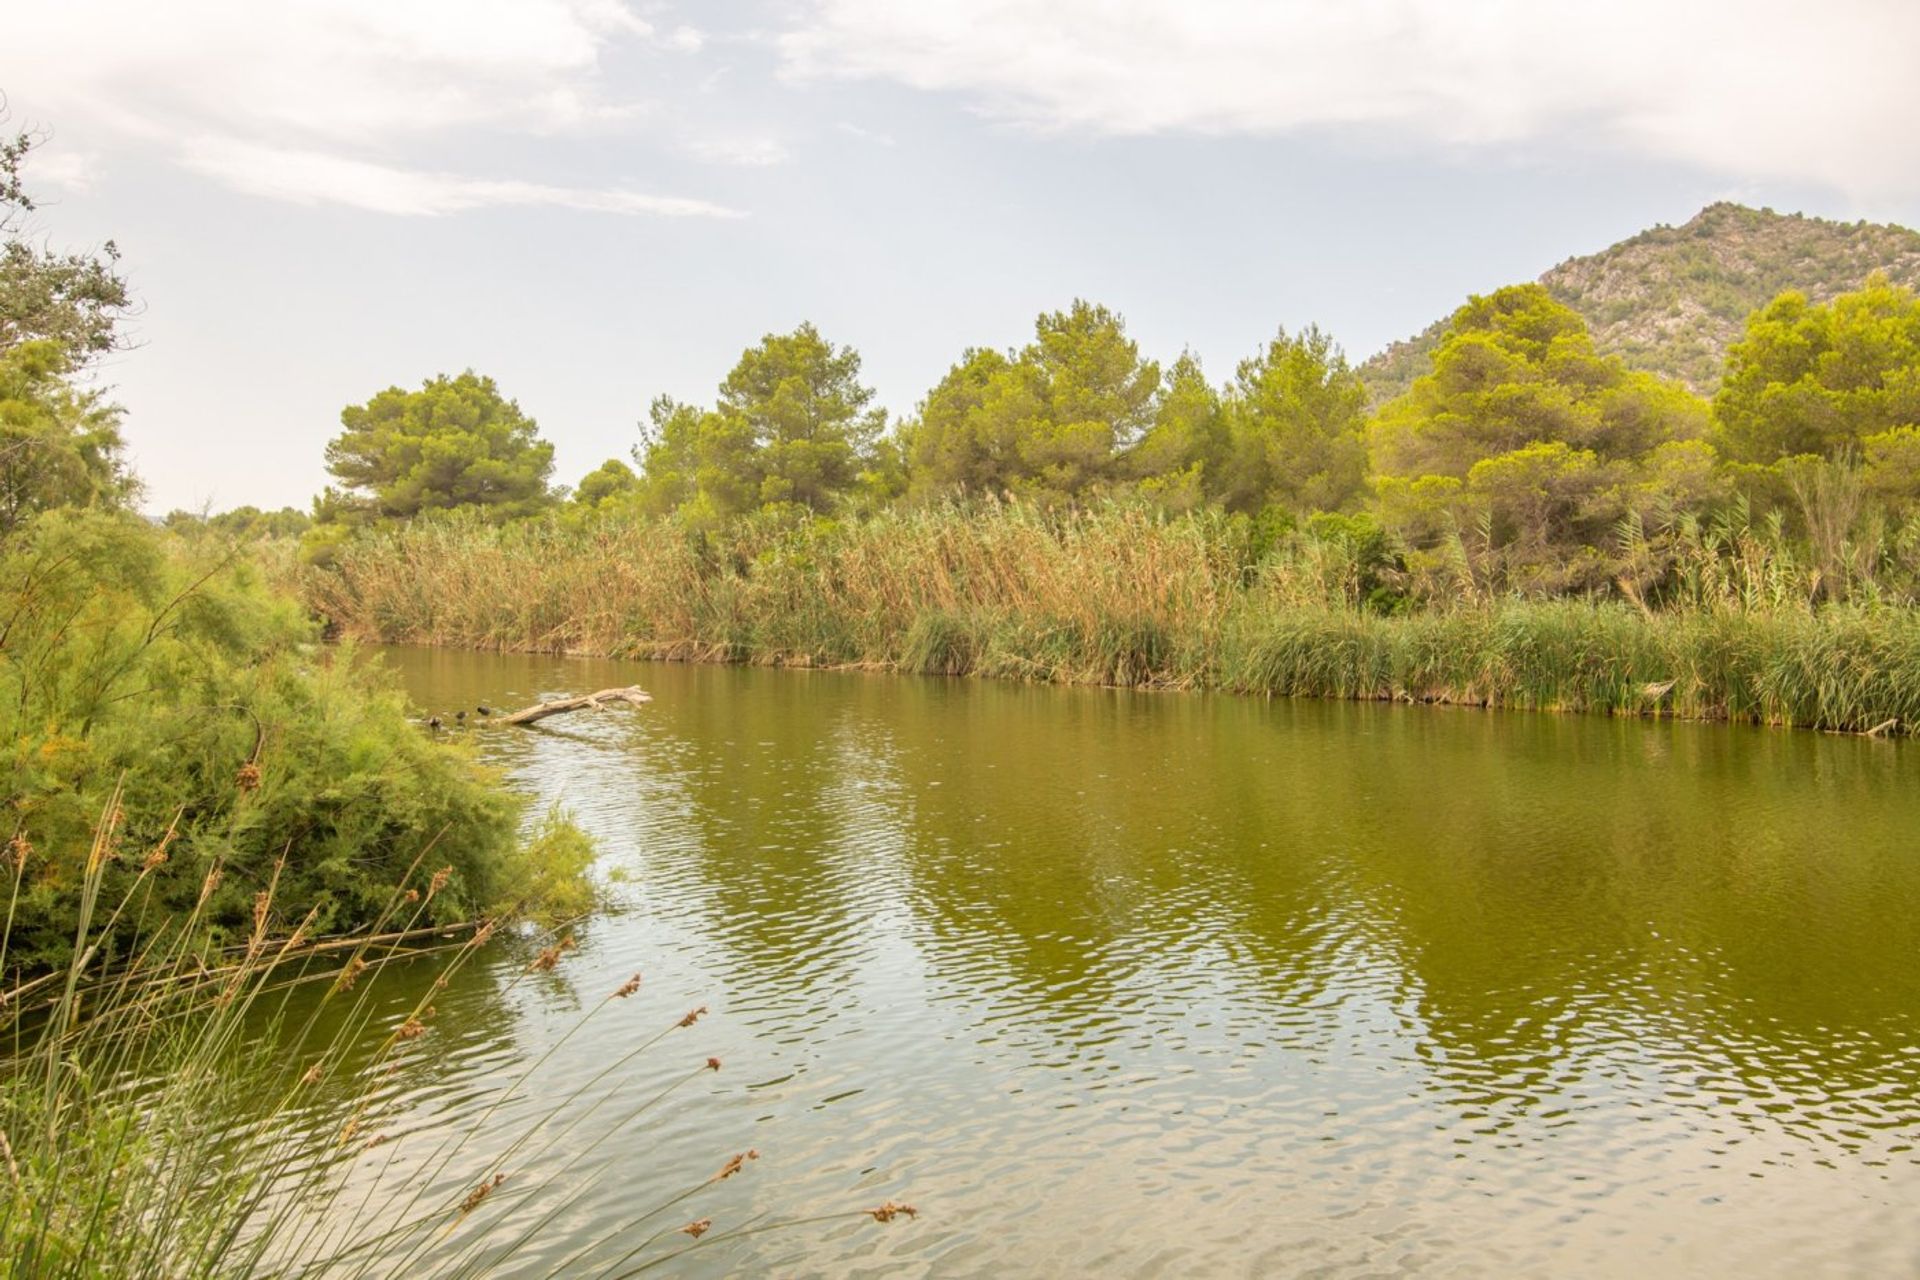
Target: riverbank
{"x":1119,"y":596}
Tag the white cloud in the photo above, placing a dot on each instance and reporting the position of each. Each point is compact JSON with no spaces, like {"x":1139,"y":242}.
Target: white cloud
{"x":314,"y":177}
{"x":64,"y":168}
{"x":875,"y":136}
{"x":1755,"y":88}
{"x":303,"y":86}
{"x":747,"y":152}
{"x":685,"y":39}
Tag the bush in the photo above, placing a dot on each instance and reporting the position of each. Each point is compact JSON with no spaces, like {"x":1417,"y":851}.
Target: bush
{"x":130,"y":660}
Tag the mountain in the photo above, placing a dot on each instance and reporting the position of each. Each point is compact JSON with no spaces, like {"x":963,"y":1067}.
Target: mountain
{"x":1671,"y":299}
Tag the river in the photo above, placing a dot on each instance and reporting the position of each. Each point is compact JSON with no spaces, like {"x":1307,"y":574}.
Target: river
{"x":1129,"y":984}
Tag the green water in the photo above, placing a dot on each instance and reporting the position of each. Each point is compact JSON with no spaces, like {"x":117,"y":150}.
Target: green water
{"x":1124,"y":984}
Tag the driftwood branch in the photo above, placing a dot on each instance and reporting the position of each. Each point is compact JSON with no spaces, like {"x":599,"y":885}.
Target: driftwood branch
{"x":633,"y":695}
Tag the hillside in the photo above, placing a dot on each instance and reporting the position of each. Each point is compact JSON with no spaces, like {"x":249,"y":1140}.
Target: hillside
{"x":1671,"y":299}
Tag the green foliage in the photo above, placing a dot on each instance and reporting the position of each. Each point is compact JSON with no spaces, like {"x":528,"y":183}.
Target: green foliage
{"x":548,"y":877}
{"x":1295,"y":418}
{"x":1514,"y":369}
{"x":1052,"y":420}
{"x":791,"y":425}
{"x":243,"y":524}
{"x":611,"y":481}
{"x":170,"y":669}
{"x":1892,"y":464}
{"x":454,"y":443}
{"x":970,"y":429}
{"x":1182,"y":460}
{"x":1820,"y":380}
{"x":1545,"y":512}
{"x":73,"y":300}
{"x":59,"y":446}
{"x":1511,"y":463}
{"x":1374,"y":568}
{"x":1735,"y":623}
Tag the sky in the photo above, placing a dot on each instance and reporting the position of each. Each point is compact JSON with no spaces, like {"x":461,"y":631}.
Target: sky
{"x":598,"y":202}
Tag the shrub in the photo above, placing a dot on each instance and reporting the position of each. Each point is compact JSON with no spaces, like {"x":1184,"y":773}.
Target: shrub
{"x":172,"y":670}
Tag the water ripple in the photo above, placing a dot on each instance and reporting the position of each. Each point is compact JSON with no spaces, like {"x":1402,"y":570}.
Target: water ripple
{"x":1150,"y":986}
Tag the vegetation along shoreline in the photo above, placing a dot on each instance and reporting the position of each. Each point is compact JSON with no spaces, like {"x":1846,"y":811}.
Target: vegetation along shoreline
{"x":1555,"y":499}
{"x":1122,"y":596}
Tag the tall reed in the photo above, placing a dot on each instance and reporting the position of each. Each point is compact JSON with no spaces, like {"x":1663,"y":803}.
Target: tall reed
{"x":165,"y":1112}
{"x":1120,"y":595}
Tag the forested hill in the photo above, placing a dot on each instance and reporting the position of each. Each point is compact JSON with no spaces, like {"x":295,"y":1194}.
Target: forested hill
{"x":1669,"y":300}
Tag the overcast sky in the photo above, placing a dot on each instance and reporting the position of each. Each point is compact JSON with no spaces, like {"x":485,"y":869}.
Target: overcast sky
{"x":597,"y":202}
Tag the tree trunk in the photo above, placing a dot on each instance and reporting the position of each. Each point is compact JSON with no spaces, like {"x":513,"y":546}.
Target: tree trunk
{"x":634,"y":695}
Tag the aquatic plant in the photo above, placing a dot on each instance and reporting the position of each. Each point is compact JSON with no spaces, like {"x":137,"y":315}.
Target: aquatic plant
{"x":1725,"y":621}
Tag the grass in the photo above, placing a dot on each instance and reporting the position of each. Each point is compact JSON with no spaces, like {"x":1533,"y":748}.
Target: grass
{"x":169,"y":1113}
{"x":1118,"y":595}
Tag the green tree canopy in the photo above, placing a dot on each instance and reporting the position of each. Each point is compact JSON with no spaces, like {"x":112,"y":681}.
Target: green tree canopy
{"x":59,"y":446}
{"x":60,"y":443}
{"x":1052,"y":419}
{"x":73,"y":299}
{"x":1811,"y":379}
{"x":1517,"y":368}
{"x":1296,"y":416}
{"x":607,"y":482}
{"x":244,"y":524}
{"x":1525,"y":455}
{"x":792,"y":425}
{"x":1180,"y":461}
{"x":455,"y":442}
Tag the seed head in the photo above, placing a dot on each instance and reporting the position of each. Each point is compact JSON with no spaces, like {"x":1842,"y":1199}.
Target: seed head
{"x":713,"y":1064}
{"x":628,"y":987}
{"x":248,"y":779}
{"x":694,"y":1016}
{"x":698,"y":1227}
{"x":889,"y":1211}
{"x":734,"y":1165}
{"x":479,"y":1193}
{"x":411,"y":1029}
{"x":439,"y":880}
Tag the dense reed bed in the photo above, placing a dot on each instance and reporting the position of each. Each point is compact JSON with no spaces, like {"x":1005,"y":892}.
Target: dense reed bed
{"x":1120,"y":595}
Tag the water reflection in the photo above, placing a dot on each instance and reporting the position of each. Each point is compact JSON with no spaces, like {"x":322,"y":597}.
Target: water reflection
{"x":1178,"y":985}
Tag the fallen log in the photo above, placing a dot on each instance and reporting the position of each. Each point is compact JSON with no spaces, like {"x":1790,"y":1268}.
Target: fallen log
{"x":633,"y":695}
